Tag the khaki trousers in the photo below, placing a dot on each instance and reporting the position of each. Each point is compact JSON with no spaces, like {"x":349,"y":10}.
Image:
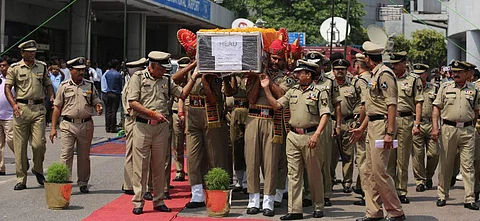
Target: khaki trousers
{"x":423,"y":143}
{"x":81,"y":135}
{"x":300,"y":157}
{"x":260,"y":151}
{"x":360,"y":158}
{"x":129,"y":124}
{"x":477,"y":160}
{"x":30,"y":125}
{"x":400,"y":156}
{"x":178,"y":146}
{"x":150,"y":145}
{"x":346,"y":152}
{"x":206,"y":148}
{"x":326,"y":142}
{"x":6,"y":137}
{"x":462,"y":140}
{"x":237,"y":137}
{"x":377,"y":183}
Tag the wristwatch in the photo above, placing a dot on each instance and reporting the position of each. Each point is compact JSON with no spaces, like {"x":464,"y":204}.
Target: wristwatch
{"x":390,"y":134}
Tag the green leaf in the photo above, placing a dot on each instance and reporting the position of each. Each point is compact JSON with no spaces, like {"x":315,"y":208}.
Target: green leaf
{"x":58,"y":173}
{"x":217,"y":179}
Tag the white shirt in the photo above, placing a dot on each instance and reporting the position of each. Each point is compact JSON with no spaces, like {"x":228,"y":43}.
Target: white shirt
{"x":6,"y":111}
{"x":98,"y":75}
{"x":67,"y":74}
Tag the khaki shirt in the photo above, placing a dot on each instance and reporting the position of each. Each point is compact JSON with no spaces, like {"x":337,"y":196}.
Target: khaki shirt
{"x":350,"y":99}
{"x":29,"y":82}
{"x":457,"y":104}
{"x":306,"y":106}
{"x":331,"y":87}
{"x":429,"y":95}
{"x":125,"y":104}
{"x":77,"y":101}
{"x":361,"y":87}
{"x":241,"y":87}
{"x":409,"y":92}
{"x":152,"y":93}
{"x":382,"y":91}
{"x":281,"y":79}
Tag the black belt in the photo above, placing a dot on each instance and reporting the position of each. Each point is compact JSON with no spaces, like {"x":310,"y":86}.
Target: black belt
{"x":404,"y":114}
{"x":303,"y":130}
{"x":23,"y":101}
{"x":78,"y":121}
{"x":376,"y":117}
{"x":240,"y":104}
{"x":175,"y":111}
{"x":457,"y":124}
{"x":348,"y":117}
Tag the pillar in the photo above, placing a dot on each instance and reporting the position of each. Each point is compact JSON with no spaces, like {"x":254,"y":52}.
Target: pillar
{"x":473,"y":47}
{"x":78,"y":37}
{"x":174,"y":47}
{"x":453,"y":52}
{"x":2,"y":25}
{"x":136,"y":36}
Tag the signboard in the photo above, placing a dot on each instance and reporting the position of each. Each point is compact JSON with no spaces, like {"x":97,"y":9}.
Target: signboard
{"x":389,"y":13}
{"x":292,"y":36}
{"x":229,"y":52}
{"x":198,"y":8}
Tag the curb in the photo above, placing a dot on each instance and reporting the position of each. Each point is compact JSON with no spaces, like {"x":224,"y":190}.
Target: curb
{"x":105,"y":140}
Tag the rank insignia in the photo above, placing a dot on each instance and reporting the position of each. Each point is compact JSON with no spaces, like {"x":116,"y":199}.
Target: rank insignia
{"x":324,"y":102}
{"x":312,"y":96}
{"x":384,"y":85}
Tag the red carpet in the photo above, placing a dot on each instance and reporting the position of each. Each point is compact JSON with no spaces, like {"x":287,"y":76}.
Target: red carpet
{"x":181,"y":218}
{"x":112,"y":147}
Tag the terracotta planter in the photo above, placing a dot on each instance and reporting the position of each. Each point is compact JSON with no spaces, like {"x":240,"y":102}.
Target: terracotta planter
{"x":58,"y":195}
{"x":218,"y":202}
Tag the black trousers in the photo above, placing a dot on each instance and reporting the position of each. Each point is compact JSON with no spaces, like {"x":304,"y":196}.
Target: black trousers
{"x":112,"y":102}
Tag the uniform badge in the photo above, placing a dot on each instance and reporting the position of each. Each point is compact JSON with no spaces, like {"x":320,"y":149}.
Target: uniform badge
{"x":164,"y":86}
{"x":290,"y":81}
{"x":312,"y":96}
{"x":384,"y":85}
{"x":324,"y":102}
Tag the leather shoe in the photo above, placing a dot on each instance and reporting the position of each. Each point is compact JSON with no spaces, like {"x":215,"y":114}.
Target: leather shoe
{"x":420,"y":188}
{"x":347,"y":189}
{"x":148,"y":196}
{"x":441,"y":203}
{"x":328,"y":202}
{"x":277,"y":204}
{"x":360,"y":202}
{"x":128,"y":192}
{"x":84,"y":189}
{"x":396,"y":218}
{"x":137,"y":211}
{"x":292,"y":216}
{"x":2,"y":173}
{"x":179,"y":179}
{"x":167,"y":196}
{"x":39,"y":176}
{"x":472,"y":206}
{"x":317,"y":214}
{"x":253,"y":210}
{"x":20,"y":186}
{"x":429,"y":184}
{"x":162,"y":208}
{"x":404,"y":199}
{"x":192,"y":205}
{"x":369,"y":219}
{"x":306,"y":203}
{"x":268,"y":212}
{"x":237,"y":189}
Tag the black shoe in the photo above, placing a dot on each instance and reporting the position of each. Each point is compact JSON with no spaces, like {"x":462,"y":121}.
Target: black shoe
{"x":171,"y":187}
{"x":148,"y":196}
{"x":420,"y":188}
{"x":472,"y":206}
{"x":20,"y":186}
{"x":360,"y":202}
{"x":277,"y":204}
{"x":328,"y":202}
{"x":306,"y":203}
{"x":192,"y":205}
{"x":137,"y":211}
{"x":441,"y":203}
{"x":453,"y":181}
{"x":476,"y":196}
{"x":237,"y":189}
{"x":39,"y":176}
{"x":404,"y":199}
{"x":162,"y":208}
{"x":253,"y":210}
{"x":347,"y":189}
{"x":167,"y":196}
{"x":245,"y":191}
{"x":292,"y":216}
{"x":429,"y":184}
{"x":369,"y":219}
{"x":2,"y":173}
{"x":179,"y":179}
{"x":336,"y":181}
{"x":268,"y":212}
{"x":128,"y":192}
{"x":317,"y":214}
{"x":84,"y":189}
{"x":396,"y":218}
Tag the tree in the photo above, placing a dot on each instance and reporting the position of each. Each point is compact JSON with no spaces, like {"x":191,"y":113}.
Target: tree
{"x":401,"y":43}
{"x":302,"y":15}
{"x":428,"y":47}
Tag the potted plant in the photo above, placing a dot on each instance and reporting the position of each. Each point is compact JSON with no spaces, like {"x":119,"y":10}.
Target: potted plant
{"x":217,"y":193}
{"x":58,"y":186}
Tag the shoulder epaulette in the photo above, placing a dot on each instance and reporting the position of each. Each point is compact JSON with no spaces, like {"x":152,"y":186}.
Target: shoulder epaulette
{"x":14,"y":64}
{"x":64,"y":82}
{"x":41,"y":62}
{"x":88,"y":81}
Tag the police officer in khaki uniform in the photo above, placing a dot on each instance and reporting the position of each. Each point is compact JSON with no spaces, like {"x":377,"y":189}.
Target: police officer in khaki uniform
{"x":422,"y":142}
{"x":75,"y":101}
{"x":409,"y":113}
{"x":310,"y":110}
{"x":360,"y":83}
{"x":341,"y":143}
{"x":381,"y":113}
{"x":477,"y":139}
{"x":457,"y":103}
{"x":30,"y":79}
{"x":148,"y":98}
{"x":129,"y":122}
